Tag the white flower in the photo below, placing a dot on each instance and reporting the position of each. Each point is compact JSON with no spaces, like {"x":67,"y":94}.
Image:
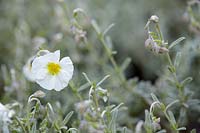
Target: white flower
{"x":27,"y":70}
{"x":52,"y":73}
{"x":5,"y":114}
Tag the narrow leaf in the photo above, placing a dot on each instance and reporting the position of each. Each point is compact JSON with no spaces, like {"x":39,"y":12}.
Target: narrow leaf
{"x":96,"y":27}
{"x":176,"y":42}
{"x":181,"y":128}
{"x":67,"y":118}
{"x":154,"y":98}
{"x":100,"y":82}
{"x":86,"y":77}
{"x":108,"y":28}
{"x":162,"y":131}
{"x":147,"y":119}
{"x":126,"y":63}
{"x":172,"y":103}
{"x":177,"y":60}
{"x":112,"y":124}
{"x":83,"y":87}
{"x":186,"y":81}
{"x":117,"y":107}
{"x":172,"y":118}
{"x":124,"y":130}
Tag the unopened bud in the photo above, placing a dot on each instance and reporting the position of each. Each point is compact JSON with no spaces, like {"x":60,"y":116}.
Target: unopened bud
{"x":76,"y":11}
{"x":148,"y":43}
{"x":39,"y":94}
{"x":82,"y":106}
{"x":154,"y":18}
{"x":163,"y":50}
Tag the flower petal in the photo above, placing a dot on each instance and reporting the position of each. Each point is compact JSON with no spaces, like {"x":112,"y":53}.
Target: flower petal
{"x":38,"y":63}
{"x":67,"y":67}
{"x":65,"y":76}
{"x":39,"y":69}
{"x":48,"y":82}
{"x":57,"y":55}
{"x":59,"y":85}
{"x":49,"y":57}
{"x":28,"y":73}
{"x":41,"y":74}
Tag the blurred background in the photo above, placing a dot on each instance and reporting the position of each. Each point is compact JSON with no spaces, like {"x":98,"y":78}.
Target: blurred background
{"x":27,"y":25}
{"x":23,"y":21}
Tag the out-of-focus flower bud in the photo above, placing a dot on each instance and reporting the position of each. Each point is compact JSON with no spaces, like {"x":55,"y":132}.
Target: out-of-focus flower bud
{"x":154,"y":47}
{"x":154,"y":19}
{"x":38,"y":41}
{"x":82,"y":106}
{"x":57,"y":37}
{"x":39,"y":94}
{"x":156,"y":124}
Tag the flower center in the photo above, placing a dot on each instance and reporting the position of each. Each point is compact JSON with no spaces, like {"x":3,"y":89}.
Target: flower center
{"x":53,"y":68}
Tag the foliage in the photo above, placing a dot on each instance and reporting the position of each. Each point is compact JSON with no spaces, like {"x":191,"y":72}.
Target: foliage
{"x":106,"y":93}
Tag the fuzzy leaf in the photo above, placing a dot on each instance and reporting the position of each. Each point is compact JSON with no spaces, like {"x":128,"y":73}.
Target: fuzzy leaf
{"x":124,"y":130}
{"x":176,"y":42}
{"x":162,"y":131}
{"x":126,"y":63}
{"x":154,"y":97}
{"x":186,"y":81}
{"x":181,"y":128}
{"x":108,"y":28}
{"x":177,"y":60}
{"x":112,"y":124}
{"x":148,"y":122}
{"x":67,"y":118}
{"x":96,"y":27}
{"x":172,"y":118}
{"x":172,"y":103}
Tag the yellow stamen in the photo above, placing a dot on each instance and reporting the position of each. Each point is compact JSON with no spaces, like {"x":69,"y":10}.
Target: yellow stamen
{"x":53,"y":68}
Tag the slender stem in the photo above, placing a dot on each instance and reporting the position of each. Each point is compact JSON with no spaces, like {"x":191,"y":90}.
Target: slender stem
{"x":21,"y":125}
{"x":109,"y":53}
{"x":168,"y":56}
{"x":171,"y":64}
{"x":95,"y":99}
{"x":174,"y":76}
{"x":116,"y":67}
{"x":159,"y":32}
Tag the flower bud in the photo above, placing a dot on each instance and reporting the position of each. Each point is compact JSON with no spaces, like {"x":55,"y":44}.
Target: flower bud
{"x":39,"y":94}
{"x":148,"y":43}
{"x":82,"y":106}
{"x":154,"y":19}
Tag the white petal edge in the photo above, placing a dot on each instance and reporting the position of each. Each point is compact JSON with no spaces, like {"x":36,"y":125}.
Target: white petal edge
{"x":67,"y":65}
{"x":60,"y":85}
{"x":48,"y":82}
{"x":67,"y":69}
{"x":28,"y":73}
